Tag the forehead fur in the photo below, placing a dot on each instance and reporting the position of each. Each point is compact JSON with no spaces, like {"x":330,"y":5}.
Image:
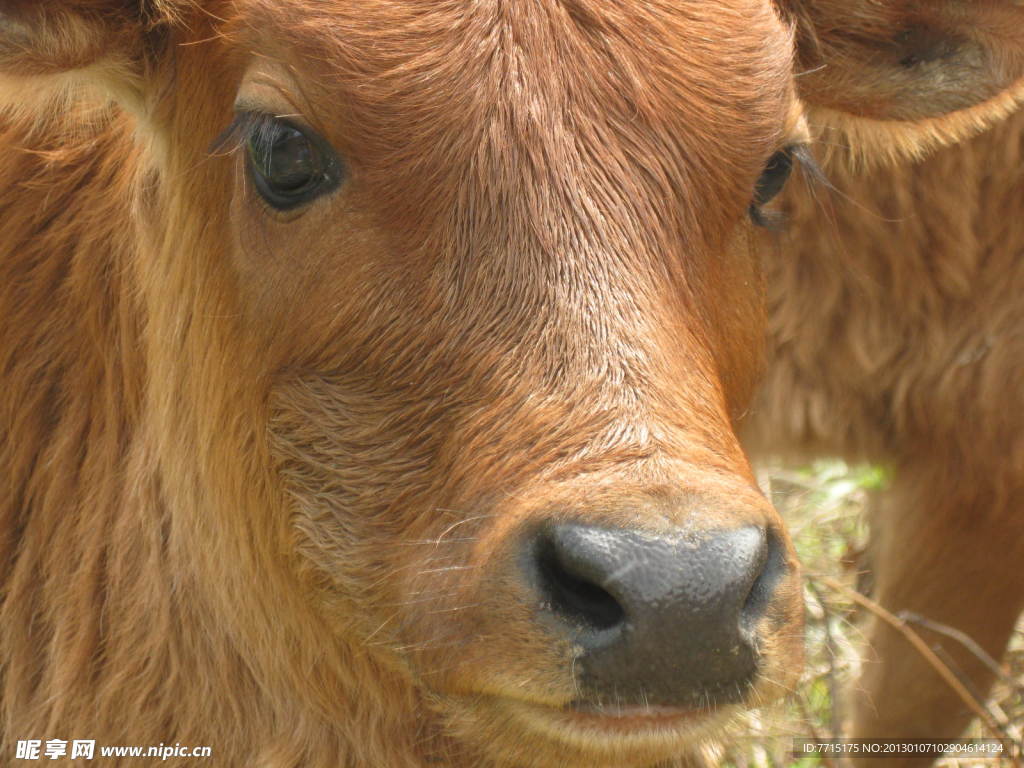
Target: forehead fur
{"x":516,"y":92}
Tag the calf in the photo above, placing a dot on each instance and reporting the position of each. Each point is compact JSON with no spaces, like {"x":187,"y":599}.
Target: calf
{"x":373,"y":368}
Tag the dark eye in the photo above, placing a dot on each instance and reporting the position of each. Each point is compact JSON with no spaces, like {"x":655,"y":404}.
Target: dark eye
{"x":290,"y":166}
{"x":772,"y":180}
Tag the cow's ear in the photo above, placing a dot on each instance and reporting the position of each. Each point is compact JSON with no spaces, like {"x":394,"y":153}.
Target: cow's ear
{"x":58,"y":47}
{"x":900,"y":77}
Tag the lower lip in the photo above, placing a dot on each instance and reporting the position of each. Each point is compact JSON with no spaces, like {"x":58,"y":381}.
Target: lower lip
{"x":619,"y":722}
{"x":615,"y":728}
{"x":630,"y":718}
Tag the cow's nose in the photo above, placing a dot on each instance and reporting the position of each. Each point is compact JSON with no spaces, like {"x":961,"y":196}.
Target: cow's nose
{"x":657,"y":619}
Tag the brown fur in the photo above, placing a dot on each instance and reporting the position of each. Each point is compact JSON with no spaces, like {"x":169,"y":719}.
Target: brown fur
{"x":264,"y":474}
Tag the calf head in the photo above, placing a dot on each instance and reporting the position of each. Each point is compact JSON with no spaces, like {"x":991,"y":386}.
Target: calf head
{"x":451,"y":311}
{"x":506,"y":355}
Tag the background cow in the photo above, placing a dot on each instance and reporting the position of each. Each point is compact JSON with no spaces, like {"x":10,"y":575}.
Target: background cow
{"x":372,"y":369}
{"x":898,"y":331}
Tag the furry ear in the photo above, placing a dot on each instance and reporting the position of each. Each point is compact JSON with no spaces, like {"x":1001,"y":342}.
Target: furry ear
{"x":900,"y":77}
{"x":57,"y":48}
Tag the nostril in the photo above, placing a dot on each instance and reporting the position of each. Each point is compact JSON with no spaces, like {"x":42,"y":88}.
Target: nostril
{"x":572,"y":594}
{"x":770,"y":565}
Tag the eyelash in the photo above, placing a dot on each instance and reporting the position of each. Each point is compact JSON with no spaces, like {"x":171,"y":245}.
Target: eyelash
{"x":246,"y":126}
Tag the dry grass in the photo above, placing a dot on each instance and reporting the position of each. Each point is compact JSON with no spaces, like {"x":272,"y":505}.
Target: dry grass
{"x":824,"y":505}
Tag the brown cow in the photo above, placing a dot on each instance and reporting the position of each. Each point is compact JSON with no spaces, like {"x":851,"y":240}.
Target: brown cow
{"x":371,"y":367}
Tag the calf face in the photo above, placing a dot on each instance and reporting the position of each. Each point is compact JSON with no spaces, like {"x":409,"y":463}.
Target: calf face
{"x":450,"y":309}
{"x":505,"y":339}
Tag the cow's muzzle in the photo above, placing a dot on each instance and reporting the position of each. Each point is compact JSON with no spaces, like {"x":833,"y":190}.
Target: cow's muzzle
{"x":656,"y":620}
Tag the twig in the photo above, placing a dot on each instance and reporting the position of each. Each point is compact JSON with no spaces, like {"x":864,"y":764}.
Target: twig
{"x":967,"y":642}
{"x":921,"y":646}
{"x":950,"y":662}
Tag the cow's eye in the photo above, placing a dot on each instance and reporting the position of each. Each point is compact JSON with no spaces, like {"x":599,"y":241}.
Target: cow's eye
{"x":774,"y":177}
{"x":771,"y":182}
{"x":289,"y":165}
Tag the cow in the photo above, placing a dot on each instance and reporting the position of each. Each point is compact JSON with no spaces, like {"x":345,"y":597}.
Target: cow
{"x":896,"y":329}
{"x":374,"y":371}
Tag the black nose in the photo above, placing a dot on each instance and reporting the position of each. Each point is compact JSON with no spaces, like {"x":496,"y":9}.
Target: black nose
{"x":666,"y":620}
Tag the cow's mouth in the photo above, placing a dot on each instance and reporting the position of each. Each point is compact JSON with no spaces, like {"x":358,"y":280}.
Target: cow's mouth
{"x":631,"y":715}
{"x":607,"y":736}
{"x":549,"y":734}
{"x":611,"y":724}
